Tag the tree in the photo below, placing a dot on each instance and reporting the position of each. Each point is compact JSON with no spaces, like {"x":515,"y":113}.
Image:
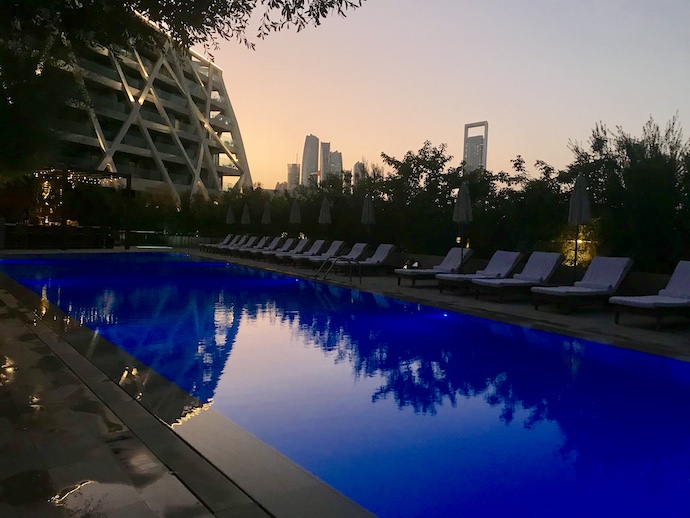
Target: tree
{"x":639,"y":186}
{"x":420,"y":184}
{"x":38,"y":39}
{"x":189,"y":22}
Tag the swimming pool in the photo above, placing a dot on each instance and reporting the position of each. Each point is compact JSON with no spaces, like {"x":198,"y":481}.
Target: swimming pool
{"x":406,"y":409}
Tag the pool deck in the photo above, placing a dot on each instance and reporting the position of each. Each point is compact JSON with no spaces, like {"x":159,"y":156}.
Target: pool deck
{"x":83,"y":439}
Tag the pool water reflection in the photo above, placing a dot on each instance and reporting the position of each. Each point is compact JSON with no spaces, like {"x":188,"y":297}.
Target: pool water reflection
{"x":408,"y":410}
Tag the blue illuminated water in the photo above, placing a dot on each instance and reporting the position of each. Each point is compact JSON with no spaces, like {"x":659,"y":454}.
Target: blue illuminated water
{"x":406,"y":409}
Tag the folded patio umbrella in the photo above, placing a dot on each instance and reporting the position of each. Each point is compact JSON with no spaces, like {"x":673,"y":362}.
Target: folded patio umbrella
{"x":579,"y":212}
{"x":325,"y":213}
{"x":266,"y":216}
{"x":295,"y":215}
{"x":230,"y":216}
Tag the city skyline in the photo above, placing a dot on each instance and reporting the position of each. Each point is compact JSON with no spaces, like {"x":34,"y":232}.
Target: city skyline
{"x":396,"y":73}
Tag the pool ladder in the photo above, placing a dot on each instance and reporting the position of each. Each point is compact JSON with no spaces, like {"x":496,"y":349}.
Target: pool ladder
{"x":333,"y":261}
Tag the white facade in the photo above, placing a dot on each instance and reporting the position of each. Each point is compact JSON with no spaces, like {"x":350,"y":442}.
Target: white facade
{"x":161,"y":115}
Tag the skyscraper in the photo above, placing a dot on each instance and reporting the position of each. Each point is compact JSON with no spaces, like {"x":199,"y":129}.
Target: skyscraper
{"x":336,"y":164}
{"x":325,"y":160}
{"x":475,"y":146}
{"x":359,"y":170}
{"x":310,"y":159}
{"x":292,"y":176}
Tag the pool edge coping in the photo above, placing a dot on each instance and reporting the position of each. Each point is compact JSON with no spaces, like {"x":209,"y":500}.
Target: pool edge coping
{"x":277,"y":486}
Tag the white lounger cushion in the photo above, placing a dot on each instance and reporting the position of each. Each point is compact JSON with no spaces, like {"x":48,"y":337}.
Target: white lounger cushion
{"x":451,"y":263}
{"x":299,"y":248}
{"x":353,"y":255}
{"x":500,"y":265}
{"x":572,"y":291}
{"x":315,"y":248}
{"x":603,"y":277}
{"x":500,"y":283}
{"x":380,"y":255}
{"x":679,"y":283}
{"x":651,"y":301}
{"x":676,"y":294}
{"x":332,"y":250}
{"x":539,"y":269}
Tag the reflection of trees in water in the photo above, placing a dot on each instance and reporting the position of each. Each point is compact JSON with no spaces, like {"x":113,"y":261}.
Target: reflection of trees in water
{"x":622,"y":415}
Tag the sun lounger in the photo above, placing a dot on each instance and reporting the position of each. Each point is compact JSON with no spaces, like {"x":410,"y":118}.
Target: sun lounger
{"x":351,"y":257}
{"x":380,"y":255}
{"x":255,"y":244}
{"x":375,"y":262}
{"x":332,"y":251}
{"x":300,"y":247}
{"x":273,"y":245}
{"x":289,"y":243}
{"x":601,"y":280}
{"x":314,"y":249}
{"x":235,"y":244}
{"x":539,"y":268}
{"x":209,"y":246}
{"x":452,"y":263}
{"x":674,"y":299}
{"x":258,"y":245}
{"x":500,"y":265}
{"x":217,"y":247}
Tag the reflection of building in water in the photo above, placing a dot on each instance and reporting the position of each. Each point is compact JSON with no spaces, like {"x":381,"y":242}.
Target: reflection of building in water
{"x":195,"y":367}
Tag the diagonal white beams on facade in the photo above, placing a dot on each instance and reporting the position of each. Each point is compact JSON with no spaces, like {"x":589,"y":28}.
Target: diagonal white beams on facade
{"x":199,"y":120}
{"x":136,"y":106}
{"x":144,"y":130}
{"x":194,"y":170}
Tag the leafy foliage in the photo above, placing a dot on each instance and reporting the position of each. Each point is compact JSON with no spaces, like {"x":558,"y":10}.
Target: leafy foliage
{"x":39,"y":37}
{"x":639,"y":186}
{"x":640,"y":190}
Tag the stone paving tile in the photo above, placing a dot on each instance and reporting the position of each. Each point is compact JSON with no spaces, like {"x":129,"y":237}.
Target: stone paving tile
{"x":65,"y":452}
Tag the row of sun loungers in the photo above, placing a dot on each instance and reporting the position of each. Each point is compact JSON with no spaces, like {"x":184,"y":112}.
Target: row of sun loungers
{"x":304,"y":252}
{"x":599,"y":283}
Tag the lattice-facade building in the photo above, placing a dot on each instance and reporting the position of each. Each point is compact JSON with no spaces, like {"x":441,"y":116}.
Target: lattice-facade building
{"x":160,"y":114}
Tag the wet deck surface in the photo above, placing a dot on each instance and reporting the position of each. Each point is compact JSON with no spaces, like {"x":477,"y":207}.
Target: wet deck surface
{"x":81,"y":439}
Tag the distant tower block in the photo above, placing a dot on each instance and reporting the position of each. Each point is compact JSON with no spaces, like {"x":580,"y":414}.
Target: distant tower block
{"x":325,"y":160}
{"x":475,"y":146}
{"x":310,"y":159}
{"x":336,"y":164}
{"x":292,"y":176}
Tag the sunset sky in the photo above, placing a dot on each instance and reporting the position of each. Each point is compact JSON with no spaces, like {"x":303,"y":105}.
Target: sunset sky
{"x":395,"y":73}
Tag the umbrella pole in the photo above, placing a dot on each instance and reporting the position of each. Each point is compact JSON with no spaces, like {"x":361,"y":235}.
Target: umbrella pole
{"x":577,"y":235}
{"x":462,"y":248}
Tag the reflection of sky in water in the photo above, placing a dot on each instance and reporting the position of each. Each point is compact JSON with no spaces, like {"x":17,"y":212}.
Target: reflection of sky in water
{"x":408,"y":410}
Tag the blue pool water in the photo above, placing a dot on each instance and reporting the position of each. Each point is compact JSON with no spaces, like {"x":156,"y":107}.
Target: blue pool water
{"x":408,"y":410}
